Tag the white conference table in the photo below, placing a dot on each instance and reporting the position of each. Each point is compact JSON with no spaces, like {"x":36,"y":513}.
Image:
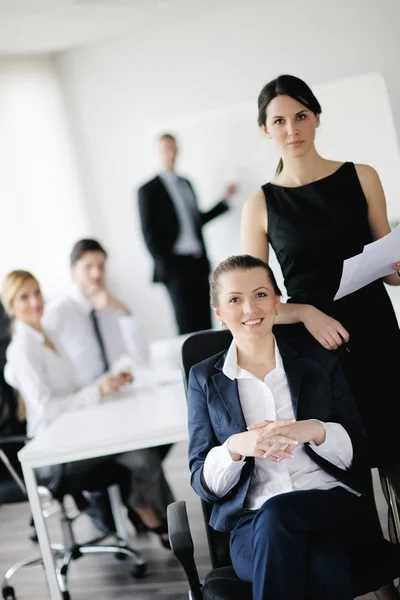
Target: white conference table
{"x":150,"y":413}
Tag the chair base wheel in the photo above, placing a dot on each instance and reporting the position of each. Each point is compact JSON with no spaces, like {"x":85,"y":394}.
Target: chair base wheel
{"x":8,"y":593}
{"x":139,"y":571}
{"x":65,"y":595}
{"x":33,"y":537}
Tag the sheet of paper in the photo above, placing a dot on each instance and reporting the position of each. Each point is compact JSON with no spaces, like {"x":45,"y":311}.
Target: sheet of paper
{"x":375,"y":261}
{"x":161,"y":374}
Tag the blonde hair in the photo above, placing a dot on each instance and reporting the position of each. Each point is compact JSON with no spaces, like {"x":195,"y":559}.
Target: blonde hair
{"x":11,"y":285}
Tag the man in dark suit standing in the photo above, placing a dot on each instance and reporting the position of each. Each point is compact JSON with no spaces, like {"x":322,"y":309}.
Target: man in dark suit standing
{"x":172,"y":229}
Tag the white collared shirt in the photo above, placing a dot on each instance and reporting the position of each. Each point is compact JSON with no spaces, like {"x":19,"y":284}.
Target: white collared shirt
{"x":270,"y":400}
{"x":181,"y":195}
{"x":45,"y":379}
{"x":68,"y":317}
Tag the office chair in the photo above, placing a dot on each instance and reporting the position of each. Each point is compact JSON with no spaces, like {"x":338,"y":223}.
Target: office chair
{"x":53,"y":497}
{"x":375,"y":574}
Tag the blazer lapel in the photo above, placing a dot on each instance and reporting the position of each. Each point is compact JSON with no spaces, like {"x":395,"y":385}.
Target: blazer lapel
{"x":293,"y":369}
{"x":227,"y":391}
{"x":163,"y":191}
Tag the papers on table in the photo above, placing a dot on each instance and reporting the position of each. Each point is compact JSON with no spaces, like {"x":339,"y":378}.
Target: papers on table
{"x":145,"y":376}
{"x":375,"y":261}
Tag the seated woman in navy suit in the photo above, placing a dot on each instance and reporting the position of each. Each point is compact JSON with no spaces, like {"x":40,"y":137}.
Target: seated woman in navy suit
{"x":277,"y":446}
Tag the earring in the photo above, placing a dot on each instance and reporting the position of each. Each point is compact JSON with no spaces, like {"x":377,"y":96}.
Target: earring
{"x":222,"y":323}
{"x":277,"y":312}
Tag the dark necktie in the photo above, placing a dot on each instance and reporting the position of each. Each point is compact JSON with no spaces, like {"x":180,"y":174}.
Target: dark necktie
{"x":100,"y":340}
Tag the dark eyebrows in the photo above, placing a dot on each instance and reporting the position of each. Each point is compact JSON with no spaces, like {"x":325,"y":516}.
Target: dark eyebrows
{"x":262,"y":287}
{"x":296,"y":115}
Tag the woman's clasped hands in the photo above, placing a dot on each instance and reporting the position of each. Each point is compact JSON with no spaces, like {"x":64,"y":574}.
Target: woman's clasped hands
{"x":275,"y":440}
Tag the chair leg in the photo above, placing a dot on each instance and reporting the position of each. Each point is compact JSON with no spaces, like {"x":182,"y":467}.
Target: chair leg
{"x":139,"y":568}
{"x":62,"y":570}
{"x":22,"y":563}
{"x":117,"y":506}
{"x":7,"y":589}
{"x":140,"y":565}
{"x":388,"y":592}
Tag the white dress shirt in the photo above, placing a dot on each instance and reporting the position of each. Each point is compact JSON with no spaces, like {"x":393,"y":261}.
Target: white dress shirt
{"x":270,"y":400}
{"x":45,"y":379}
{"x":184,"y":202}
{"x":69,"y":318}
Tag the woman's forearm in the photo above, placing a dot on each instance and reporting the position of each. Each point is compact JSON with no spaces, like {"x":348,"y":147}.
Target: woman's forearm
{"x":291,"y":313}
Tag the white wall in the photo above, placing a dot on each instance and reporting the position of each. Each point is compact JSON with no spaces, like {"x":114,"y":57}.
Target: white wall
{"x":42,"y":207}
{"x":117,"y":90}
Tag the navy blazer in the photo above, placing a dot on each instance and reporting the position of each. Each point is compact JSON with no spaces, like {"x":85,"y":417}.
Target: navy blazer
{"x":318,"y":390}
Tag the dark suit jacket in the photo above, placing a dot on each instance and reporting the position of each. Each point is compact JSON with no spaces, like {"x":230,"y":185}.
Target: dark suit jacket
{"x":160,"y":224}
{"x":318,"y":390}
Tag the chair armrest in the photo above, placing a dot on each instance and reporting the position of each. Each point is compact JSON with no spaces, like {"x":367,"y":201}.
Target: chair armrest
{"x":13,"y":439}
{"x":182,"y":544}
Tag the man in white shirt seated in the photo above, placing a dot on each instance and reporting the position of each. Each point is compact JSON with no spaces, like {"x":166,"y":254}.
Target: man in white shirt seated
{"x":95,"y":329}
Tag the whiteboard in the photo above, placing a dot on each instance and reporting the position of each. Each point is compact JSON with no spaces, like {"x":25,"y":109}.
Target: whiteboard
{"x":222,"y":146}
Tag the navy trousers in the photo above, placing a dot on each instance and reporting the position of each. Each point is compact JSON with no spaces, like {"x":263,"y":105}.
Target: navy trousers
{"x":296,"y":545}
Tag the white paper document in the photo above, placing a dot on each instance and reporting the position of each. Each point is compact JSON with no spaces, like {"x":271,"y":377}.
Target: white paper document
{"x":145,"y":376}
{"x":375,"y":261}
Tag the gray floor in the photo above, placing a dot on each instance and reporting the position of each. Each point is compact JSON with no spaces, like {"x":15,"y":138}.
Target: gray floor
{"x":104,"y":577}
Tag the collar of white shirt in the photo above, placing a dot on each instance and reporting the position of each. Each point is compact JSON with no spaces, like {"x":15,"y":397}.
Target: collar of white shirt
{"x":169,"y":176}
{"x":232,"y":370}
{"x":24,"y":329}
{"x":81,"y":300}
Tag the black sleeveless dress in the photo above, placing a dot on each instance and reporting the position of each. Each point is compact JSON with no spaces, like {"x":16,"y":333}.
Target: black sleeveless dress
{"x":313,"y":228}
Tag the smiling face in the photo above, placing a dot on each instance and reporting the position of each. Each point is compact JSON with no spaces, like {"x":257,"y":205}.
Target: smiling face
{"x":27,"y":305}
{"x":291,"y":126}
{"x":247,"y":303}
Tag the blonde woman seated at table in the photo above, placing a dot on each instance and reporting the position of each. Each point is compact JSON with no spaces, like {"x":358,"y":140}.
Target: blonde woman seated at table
{"x":277,"y":447}
{"x":40,"y":370}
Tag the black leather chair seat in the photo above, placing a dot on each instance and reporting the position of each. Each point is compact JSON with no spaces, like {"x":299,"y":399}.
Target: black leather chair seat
{"x":223,"y":584}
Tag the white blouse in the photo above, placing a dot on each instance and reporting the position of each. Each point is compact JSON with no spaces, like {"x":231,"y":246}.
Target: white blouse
{"x":45,"y":378}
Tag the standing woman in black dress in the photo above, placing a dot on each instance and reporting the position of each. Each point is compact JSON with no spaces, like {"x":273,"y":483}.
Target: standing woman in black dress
{"x":315,"y":214}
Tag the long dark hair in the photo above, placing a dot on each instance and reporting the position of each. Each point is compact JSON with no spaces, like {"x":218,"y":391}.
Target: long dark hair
{"x":286,"y":85}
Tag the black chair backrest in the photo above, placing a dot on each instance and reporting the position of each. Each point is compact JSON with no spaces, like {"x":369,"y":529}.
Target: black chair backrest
{"x":10,"y":492}
{"x":195,"y":348}
{"x":12,"y":488}
{"x":202,"y":345}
